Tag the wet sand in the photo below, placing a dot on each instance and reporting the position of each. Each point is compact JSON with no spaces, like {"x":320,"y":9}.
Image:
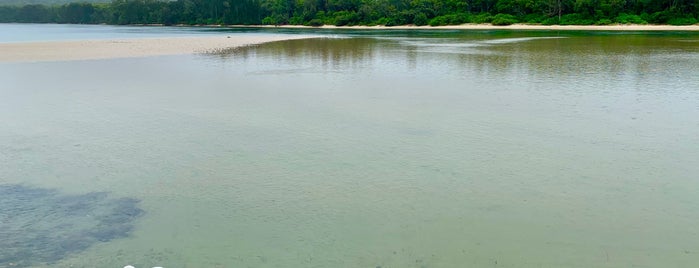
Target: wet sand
{"x":127,"y":48}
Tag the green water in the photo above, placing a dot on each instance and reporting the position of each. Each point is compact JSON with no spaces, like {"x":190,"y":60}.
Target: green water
{"x":457,"y":149}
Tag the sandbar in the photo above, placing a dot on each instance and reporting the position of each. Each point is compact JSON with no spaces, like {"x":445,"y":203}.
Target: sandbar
{"x":128,"y":48}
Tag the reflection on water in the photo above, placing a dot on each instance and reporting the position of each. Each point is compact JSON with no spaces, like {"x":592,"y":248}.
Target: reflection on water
{"x":565,"y":58}
{"x":332,"y":53}
{"x":479,"y":149}
{"x":569,"y":55}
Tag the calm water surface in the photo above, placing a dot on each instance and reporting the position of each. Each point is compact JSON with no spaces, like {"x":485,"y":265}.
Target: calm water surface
{"x":396,"y":149}
{"x":23,"y":32}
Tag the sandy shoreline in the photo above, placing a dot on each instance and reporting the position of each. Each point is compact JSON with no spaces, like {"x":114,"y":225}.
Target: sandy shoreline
{"x":618,"y":27}
{"x":144,"y":47}
{"x":127,"y":48}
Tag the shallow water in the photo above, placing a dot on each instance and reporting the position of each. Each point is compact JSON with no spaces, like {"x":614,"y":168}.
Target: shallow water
{"x":395,"y":149}
{"x":25,"y":32}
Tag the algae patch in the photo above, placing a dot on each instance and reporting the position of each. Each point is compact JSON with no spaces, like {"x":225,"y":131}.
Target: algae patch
{"x":40,"y":225}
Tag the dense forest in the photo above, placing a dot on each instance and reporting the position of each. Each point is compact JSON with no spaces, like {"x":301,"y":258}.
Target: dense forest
{"x":359,"y":12}
{"x":46,"y":2}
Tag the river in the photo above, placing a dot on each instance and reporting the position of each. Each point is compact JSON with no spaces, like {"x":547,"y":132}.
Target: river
{"x":357,"y":149}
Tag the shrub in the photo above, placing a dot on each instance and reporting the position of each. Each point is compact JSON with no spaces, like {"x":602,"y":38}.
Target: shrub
{"x":315,"y":23}
{"x":603,"y":22}
{"x":459,"y":18}
{"x":420,"y":19}
{"x":534,"y":18}
{"x":550,"y":21}
{"x":661,"y":17}
{"x":576,"y":19}
{"x":503,"y":20}
{"x":392,"y":22}
{"x":624,"y":18}
{"x":404,"y":17}
{"x":682,"y":21}
{"x":451,"y":19}
{"x":343,"y":18}
{"x":296,"y":20}
{"x":438,"y":21}
{"x":382,"y":21}
{"x":269,"y":20}
{"x":483,"y":18}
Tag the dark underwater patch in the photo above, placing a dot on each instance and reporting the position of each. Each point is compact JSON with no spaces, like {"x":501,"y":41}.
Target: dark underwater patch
{"x":44,"y":226}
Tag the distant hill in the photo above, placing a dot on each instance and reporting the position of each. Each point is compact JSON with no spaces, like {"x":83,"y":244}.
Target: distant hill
{"x":47,"y":2}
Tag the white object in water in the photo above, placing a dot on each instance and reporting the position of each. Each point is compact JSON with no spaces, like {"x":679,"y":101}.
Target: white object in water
{"x":129,"y":266}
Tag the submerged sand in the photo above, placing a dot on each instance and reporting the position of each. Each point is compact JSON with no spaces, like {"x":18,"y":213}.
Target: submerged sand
{"x":127,"y":48}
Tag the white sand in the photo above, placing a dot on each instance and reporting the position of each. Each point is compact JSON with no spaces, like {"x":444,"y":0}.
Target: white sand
{"x":126,"y":48}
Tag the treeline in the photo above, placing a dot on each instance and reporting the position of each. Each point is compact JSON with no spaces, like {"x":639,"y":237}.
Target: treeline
{"x":46,"y":2}
{"x":360,"y":12}
{"x":191,"y":12}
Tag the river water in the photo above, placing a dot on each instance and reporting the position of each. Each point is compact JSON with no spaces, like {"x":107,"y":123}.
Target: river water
{"x":360,"y":149}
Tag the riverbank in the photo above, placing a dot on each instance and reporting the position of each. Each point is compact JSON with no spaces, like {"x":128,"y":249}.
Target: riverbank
{"x":128,"y":48}
{"x":616,"y":27}
{"x":143,"y":47}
